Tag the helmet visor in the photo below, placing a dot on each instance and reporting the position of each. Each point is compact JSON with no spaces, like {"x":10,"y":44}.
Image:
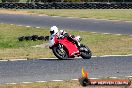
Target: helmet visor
{"x":52,"y":32}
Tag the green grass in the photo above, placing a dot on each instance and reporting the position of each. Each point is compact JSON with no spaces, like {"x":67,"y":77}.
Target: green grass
{"x":10,"y":47}
{"x":100,"y":44}
{"x":111,"y":14}
{"x":9,"y":35}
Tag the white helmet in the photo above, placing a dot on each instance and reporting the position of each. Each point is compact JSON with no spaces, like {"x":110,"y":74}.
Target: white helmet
{"x":53,"y":30}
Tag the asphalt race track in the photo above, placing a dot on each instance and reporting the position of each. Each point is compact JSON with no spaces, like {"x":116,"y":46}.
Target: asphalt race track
{"x":51,"y":69}
{"x":91,"y":25}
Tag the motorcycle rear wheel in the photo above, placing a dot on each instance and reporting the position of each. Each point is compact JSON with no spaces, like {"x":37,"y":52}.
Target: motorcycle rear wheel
{"x":57,"y":52}
{"x":85,"y":54}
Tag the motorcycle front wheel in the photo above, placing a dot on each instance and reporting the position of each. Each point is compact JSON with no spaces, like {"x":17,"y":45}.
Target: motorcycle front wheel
{"x":60,"y":52}
{"x":85,"y":52}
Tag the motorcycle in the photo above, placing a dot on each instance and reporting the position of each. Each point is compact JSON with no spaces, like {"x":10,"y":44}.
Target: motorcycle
{"x":66,"y":48}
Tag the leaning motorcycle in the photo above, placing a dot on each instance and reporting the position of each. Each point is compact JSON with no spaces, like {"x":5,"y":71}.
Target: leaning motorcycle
{"x":64,"y":48}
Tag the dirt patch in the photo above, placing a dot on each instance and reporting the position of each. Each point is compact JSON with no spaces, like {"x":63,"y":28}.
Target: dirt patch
{"x":4,"y":11}
{"x":14,"y":12}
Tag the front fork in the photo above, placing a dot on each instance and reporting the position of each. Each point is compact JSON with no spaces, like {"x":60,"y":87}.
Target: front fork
{"x":61,"y":47}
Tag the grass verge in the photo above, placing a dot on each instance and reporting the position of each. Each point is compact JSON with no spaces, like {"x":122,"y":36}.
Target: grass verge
{"x":100,"y":44}
{"x":119,"y":14}
{"x":63,"y":84}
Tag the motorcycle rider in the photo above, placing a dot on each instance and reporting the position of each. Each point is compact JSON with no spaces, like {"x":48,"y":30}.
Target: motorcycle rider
{"x":61,"y":34}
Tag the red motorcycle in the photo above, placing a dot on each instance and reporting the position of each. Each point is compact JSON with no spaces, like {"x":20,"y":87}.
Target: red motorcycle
{"x":66,"y":48}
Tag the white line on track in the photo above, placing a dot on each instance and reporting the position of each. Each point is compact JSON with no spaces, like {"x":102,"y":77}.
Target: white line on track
{"x":3,"y":60}
{"x":57,"y":80}
{"x":110,"y":33}
{"x":55,"y":16}
{"x":20,"y":25}
{"x":40,"y":81}
{"x":68,"y":17}
{"x":94,"y":78}
{"x":113,"y":77}
{"x":93,"y":32}
{"x":93,"y":19}
{"x":28,"y":26}
{"x":74,"y":79}
{"x":11,"y":24}
{"x":17,"y":59}
{"x":94,"y":56}
{"x":129,"y":55}
{"x":26,"y":82}
{"x":76,"y":57}
{"x":40,"y":15}
{"x":37,"y":27}
{"x":118,"y":34}
{"x":129,"y":76}
{"x":115,"y":55}
{"x":11,"y":83}
{"x":106,"y":33}
{"x":63,"y":80}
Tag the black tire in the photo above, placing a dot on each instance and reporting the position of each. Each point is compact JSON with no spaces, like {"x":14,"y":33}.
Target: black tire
{"x":85,"y":54}
{"x":56,"y":53}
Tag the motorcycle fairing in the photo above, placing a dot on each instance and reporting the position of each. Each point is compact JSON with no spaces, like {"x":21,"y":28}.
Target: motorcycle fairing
{"x":71,"y":47}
